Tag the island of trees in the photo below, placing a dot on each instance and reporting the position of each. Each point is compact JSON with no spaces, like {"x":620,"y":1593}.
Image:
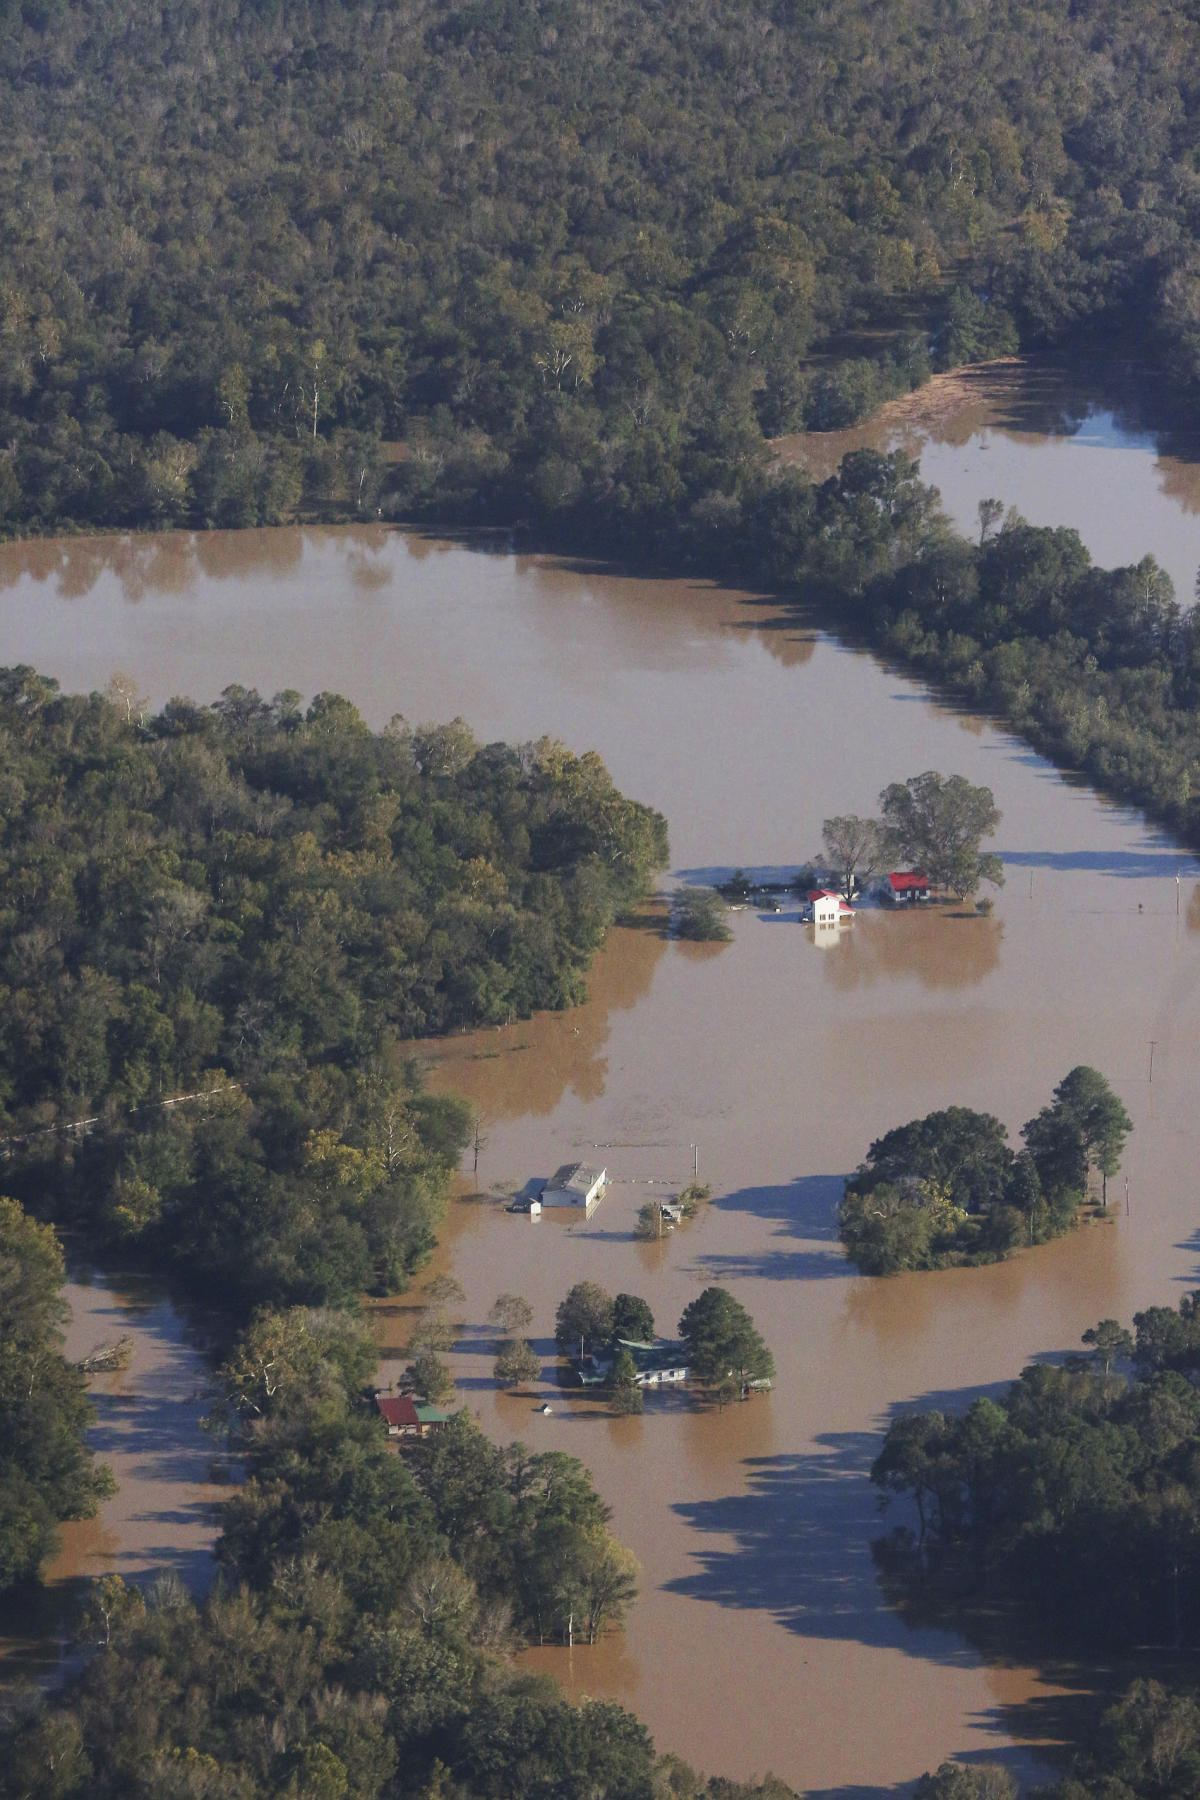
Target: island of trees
{"x":933,"y":822}
{"x":948,"y":1188}
{"x":219,"y":925}
{"x":719,"y":1343}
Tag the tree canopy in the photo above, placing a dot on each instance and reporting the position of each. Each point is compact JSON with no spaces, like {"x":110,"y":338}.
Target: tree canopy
{"x":937,"y":823}
{"x":948,"y":1188}
{"x":46,"y":1471}
{"x":244,"y":909}
{"x":722,"y":1343}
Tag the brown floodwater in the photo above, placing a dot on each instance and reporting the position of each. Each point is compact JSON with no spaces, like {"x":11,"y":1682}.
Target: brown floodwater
{"x":761,"y":1639}
{"x":1065,"y":442}
{"x":162,"y":1519}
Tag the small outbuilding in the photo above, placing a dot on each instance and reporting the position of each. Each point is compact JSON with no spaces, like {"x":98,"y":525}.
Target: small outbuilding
{"x":905,"y":887}
{"x":575,"y":1184}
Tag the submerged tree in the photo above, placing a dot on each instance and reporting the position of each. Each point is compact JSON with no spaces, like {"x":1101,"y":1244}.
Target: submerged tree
{"x":699,"y":915}
{"x":938,"y":822}
{"x":517,"y":1363}
{"x":1083,"y":1128}
{"x":625,"y":1395}
{"x":584,"y":1319}
{"x":856,"y":850}
{"x":723,"y":1345}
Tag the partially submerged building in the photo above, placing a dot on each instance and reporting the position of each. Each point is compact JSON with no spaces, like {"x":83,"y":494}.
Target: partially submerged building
{"x":823,"y":907}
{"x":576,"y":1184}
{"x":905,"y":887}
{"x":654,"y":1364}
{"x":406,"y":1417}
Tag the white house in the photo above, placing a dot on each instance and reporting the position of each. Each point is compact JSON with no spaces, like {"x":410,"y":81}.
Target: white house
{"x":824,"y":907}
{"x":575,"y":1185}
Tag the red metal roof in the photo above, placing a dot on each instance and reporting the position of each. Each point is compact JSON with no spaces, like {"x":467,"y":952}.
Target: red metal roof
{"x":904,"y":879}
{"x":398,"y":1410}
{"x":822,"y":894}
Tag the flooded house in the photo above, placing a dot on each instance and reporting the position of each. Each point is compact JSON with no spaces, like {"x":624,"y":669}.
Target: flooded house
{"x":400,"y":1414}
{"x":823,"y":907}
{"x":576,"y":1184}
{"x":654,"y":1364}
{"x":407,"y":1418}
{"x":905,"y":887}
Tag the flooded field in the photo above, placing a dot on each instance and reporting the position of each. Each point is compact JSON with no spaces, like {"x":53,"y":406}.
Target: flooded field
{"x":761,"y":1640}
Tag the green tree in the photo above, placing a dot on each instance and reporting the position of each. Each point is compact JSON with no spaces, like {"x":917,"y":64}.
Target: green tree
{"x":429,"y":1377}
{"x":625,"y":1396}
{"x":722,"y":1342}
{"x":632,"y":1318}
{"x":938,"y":823}
{"x":699,"y":915}
{"x":1110,"y":1340}
{"x":46,"y":1471}
{"x":517,"y":1363}
{"x":584,"y":1319}
{"x":1088,"y":1102}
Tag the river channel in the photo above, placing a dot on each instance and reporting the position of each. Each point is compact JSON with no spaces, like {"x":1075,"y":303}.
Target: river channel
{"x":760,"y":1640}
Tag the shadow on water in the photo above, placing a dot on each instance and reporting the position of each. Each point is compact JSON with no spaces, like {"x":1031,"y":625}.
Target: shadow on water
{"x":1129,"y":864}
{"x":805,"y":1208}
{"x":802,"y":1550}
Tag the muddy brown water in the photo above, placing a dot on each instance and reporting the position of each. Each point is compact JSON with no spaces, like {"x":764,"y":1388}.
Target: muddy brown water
{"x":1065,"y":442}
{"x":162,"y":1519}
{"x":760,"y":1640}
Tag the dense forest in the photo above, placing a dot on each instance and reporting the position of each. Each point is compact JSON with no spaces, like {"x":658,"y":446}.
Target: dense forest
{"x":219,"y":924}
{"x":566,"y":267}
{"x":571,"y":254}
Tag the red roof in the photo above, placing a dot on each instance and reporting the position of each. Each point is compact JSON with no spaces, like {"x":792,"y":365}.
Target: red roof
{"x":905,"y":879}
{"x":822,"y":894}
{"x":398,"y":1410}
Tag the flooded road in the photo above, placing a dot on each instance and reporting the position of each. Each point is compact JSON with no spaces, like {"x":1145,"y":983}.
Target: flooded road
{"x":760,"y":1640}
{"x":161,"y":1520}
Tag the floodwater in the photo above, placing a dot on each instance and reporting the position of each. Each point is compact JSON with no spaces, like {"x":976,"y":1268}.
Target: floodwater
{"x":162,"y":1518}
{"x":1065,"y":442}
{"x":760,"y":1640}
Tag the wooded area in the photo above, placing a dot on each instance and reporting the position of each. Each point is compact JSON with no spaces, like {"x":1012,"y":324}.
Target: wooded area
{"x":573,"y":255}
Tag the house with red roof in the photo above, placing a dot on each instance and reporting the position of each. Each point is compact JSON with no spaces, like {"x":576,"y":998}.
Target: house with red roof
{"x":400,"y":1414}
{"x":905,"y":887}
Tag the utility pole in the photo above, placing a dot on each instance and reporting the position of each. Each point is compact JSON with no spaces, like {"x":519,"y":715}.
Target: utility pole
{"x":1127,"y":1196}
{"x":1153,"y":1042}
{"x":695,"y":1162}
